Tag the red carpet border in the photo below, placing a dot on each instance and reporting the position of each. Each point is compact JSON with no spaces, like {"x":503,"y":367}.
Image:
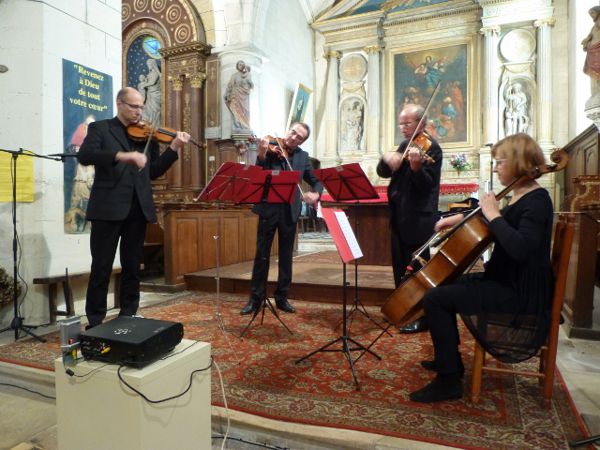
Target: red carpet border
{"x":262,"y":377}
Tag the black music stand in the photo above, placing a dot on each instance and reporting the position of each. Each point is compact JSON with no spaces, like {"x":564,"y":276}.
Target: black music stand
{"x":17,"y":321}
{"x":348,"y":183}
{"x":341,"y":240}
{"x":269,"y":186}
{"x":226,"y":184}
{"x":229,"y":180}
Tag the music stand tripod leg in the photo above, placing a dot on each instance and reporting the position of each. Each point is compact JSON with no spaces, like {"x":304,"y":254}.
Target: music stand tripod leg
{"x":265,"y":303}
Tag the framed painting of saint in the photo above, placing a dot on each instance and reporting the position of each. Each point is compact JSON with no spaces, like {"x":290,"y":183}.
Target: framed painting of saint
{"x":415,"y":77}
{"x":299,"y":105}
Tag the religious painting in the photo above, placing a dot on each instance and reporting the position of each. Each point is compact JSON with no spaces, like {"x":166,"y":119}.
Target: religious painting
{"x":87,"y":97}
{"x":417,"y":74}
{"x":299,"y":105}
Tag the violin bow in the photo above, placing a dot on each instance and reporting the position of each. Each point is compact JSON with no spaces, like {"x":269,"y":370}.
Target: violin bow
{"x":429,"y":102}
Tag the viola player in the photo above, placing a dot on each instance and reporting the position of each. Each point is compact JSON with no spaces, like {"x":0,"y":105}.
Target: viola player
{"x":517,"y":281}
{"x":413,"y":193}
{"x":120,"y":202}
{"x":281,"y":217}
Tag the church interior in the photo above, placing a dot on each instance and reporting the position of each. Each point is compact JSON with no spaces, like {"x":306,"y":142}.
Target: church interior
{"x":229,"y":72}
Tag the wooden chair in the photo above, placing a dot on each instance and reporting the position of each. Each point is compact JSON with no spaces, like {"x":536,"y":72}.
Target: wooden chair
{"x":561,"y":252}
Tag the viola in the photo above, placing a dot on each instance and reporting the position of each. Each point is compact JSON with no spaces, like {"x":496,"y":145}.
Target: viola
{"x":459,"y":247}
{"x":142,"y":131}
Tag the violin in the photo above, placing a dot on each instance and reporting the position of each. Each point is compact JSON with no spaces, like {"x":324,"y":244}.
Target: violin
{"x":423,"y":144}
{"x":142,"y":131}
{"x":276,"y":146}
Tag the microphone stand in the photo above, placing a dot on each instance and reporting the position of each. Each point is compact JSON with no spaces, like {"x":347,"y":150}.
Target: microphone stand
{"x":17,"y":322}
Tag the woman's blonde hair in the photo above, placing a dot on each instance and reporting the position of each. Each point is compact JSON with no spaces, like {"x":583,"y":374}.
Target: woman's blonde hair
{"x":523,"y":155}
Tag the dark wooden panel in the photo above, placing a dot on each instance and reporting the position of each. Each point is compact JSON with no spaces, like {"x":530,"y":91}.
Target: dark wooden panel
{"x":231,"y":226}
{"x":208,"y":244}
{"x":579,"y":296}
{"x":190,"y":245}
{"x":187,"y":257}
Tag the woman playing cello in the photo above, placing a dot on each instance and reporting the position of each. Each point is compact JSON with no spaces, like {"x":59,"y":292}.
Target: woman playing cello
{"x":517,"y":279}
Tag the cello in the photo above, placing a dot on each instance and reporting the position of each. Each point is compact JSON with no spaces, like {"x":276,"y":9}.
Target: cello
{"x":458,"y":248}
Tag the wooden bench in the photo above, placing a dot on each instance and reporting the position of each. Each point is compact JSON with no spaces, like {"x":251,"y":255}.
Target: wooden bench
{"x":54,"y":280}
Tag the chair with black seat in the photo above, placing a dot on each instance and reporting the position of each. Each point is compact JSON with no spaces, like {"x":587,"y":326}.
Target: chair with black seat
{"x":493,"y":330}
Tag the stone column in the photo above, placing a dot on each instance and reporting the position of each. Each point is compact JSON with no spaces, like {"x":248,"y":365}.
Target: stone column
{"x":174,"y":175}
{"x":374,"y":100}
{"x":331,"y":108}
{"x":196,"y":154}
{"x":490,"y":88}
{"x":544,"y":81}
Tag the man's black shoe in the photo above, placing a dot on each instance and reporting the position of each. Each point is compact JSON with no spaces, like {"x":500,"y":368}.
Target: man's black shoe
{"x":284,"y":305}
{"x":250,"y":308}
{"x":414,"y":327}
{"x":443,"y":387}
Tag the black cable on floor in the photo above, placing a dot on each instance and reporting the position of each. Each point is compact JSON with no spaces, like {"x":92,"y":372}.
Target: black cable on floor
{"x":257,"y":444}
{"x":28,"y":390}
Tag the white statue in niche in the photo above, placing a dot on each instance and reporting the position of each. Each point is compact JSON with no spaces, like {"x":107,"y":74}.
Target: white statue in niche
{"x":149,"y":87}
{"x":352,"y":125}
{"x":516,"y":119}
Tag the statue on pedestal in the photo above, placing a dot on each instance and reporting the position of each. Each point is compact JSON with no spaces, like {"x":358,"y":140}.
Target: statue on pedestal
{"x":591,"y":45}
{"x":237,"y":96}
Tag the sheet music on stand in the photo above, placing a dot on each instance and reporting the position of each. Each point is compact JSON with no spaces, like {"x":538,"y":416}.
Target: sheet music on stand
{"x":349,"y":183}
{"x":342,"y":234}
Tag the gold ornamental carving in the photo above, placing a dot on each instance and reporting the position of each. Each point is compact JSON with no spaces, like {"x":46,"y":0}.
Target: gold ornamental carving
{"x":332,"y":54}
{"x":369,"y":49}
{"x":488,"y":31}
{"x":176,"y":83}
{"x":547,"y":21}
{"x":197,"y":80}
{"x":186,"y":49}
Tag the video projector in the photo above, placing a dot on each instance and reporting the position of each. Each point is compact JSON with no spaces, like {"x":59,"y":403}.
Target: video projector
{"x":130,"y":341}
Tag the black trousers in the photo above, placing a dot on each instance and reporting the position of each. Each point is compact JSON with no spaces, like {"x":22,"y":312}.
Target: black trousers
{"x":465,"y":296}
{"x":271,"y":219}
{"x":104,"y":239}
{"x":402,"y":256}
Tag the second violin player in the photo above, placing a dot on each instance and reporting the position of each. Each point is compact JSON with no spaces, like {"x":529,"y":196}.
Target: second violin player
{"x":413,"y":193}
{"x":280,"y":217}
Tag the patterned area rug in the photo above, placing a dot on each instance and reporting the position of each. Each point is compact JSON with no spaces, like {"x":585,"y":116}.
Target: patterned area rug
{"x":262,"y":377}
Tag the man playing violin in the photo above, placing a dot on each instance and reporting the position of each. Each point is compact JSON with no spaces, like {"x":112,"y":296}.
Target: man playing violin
{"x":284,"y":154}
{"x":120,"y":202}
{"x":413,"y":192}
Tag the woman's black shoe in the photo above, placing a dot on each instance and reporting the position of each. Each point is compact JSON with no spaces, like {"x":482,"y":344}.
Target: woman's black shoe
{"x":430,"y":365}
{"x":414,"y":327}
{"x":442,"y":388}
